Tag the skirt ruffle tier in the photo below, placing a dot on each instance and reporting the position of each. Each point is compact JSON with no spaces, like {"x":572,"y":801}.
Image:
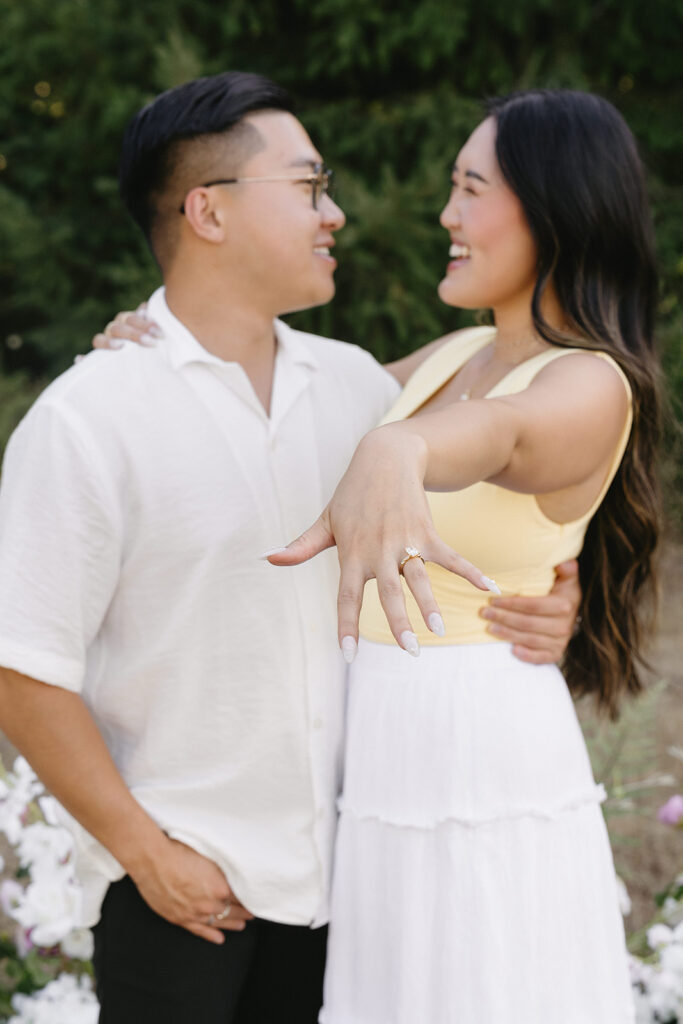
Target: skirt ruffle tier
{"x":473,"y":876}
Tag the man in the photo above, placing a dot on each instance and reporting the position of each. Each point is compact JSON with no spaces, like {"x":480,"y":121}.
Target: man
{"x":181,"y":698}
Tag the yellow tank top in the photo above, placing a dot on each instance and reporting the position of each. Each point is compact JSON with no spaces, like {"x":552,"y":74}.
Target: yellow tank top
{"x":504,"y":533}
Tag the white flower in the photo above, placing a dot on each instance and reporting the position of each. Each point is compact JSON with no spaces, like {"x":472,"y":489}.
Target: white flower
{"x":17,"y":791}
{"x":643,"y":1011}
{"x":624,"y":898}
{"x":11,"y":896}
{"x":78,"y":944}
{"x":659,"y":935}
{"x":48,"y":806}
{"x":66,"y":1000}
{"x":672,"y":911}
{"x":50,"y":907}
{"x":22,"y":940}
{"x":665,"y":1001}
{"x":639,"y":971}
{"x":672,"y":962}
{"x":43,"y":846}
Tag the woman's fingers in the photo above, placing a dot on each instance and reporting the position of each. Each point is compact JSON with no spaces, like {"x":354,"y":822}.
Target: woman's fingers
{"x":417,"y":579}
{"x":392,"y":599}
{"x":129,"y":326}
{"x":315,"y":539}
{"x":134,"y":326}
{"x":451,"y":560}
{"x":349,"y":601}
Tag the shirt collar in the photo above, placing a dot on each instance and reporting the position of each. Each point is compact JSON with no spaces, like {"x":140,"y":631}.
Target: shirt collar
{"x":181,"y":347}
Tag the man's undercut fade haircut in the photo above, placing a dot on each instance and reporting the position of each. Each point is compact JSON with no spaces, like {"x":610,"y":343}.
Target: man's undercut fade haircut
{"x":157,"y":140}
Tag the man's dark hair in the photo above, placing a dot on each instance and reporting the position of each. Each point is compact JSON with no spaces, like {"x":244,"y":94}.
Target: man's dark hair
{"x":205,"y":110}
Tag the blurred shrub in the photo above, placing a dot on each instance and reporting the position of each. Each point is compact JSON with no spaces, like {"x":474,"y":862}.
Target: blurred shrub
{"x":389,"y":91}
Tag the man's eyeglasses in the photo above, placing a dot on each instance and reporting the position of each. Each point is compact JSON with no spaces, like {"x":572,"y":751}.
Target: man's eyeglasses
{"x":321,"y":181}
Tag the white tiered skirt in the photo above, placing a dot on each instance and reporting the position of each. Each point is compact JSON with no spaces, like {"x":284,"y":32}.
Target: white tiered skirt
{"x":473,"y":881}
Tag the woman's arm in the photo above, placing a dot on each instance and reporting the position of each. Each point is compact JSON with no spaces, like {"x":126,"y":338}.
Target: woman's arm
{"x":557,"y":436}
{"x":135,"y":326}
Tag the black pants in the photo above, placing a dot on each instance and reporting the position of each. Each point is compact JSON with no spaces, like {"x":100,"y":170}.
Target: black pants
{"x":151,"y":972}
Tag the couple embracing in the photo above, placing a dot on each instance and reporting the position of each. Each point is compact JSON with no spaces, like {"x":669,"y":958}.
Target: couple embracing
{"x":186,"y":700}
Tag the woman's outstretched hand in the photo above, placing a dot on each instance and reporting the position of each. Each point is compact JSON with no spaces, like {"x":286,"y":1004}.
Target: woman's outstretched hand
{"x":377,"y":513}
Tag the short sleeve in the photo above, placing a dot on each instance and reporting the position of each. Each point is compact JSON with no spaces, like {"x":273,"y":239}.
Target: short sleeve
{"x":60,"y":546}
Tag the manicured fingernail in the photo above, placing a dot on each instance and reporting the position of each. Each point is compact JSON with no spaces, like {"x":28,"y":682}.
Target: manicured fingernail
{"x":490,"y":585}
{"x":436,"y":624}
{"x":493,"y":628}
{"x":155,"y":331}
{"x":148,"y":340}
{"x":486,"y":612}
{"x":409,"y":643}
{"x":77,"y":359}
{"x":349,"y":649}
{"x":272,"y":551}
{"x":116,"y":343}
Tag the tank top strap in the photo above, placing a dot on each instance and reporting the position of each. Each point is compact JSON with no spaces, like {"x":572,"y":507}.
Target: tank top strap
{"x":438,"y":368}
{"x":521,"y":376}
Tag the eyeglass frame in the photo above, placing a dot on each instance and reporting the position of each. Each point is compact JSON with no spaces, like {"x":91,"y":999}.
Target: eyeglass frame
{"x":322,"y":180}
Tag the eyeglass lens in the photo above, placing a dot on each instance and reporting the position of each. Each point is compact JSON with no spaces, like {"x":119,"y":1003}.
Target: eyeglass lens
{"x":323,"y":185}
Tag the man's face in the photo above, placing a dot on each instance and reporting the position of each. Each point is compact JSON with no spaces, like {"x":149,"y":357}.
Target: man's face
{"x":277,"y":244}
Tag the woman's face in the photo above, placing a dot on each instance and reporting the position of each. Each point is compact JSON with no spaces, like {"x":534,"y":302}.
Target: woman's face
{"x":493,"y":255}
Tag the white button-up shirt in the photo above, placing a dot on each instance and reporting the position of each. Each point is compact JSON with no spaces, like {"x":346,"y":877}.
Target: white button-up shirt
{"x":136,"y":498}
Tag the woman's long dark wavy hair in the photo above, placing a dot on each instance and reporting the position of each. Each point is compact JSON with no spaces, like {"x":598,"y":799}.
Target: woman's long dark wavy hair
{"x":573,"y":163}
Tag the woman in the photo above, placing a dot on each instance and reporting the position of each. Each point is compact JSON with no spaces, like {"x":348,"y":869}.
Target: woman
{"x":473,"y":876}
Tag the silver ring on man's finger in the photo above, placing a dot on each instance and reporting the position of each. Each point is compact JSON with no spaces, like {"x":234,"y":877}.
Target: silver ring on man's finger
{"x":225,"y":912}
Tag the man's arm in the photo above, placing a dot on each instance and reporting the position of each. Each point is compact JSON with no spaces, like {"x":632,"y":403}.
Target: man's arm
{"x":60,"y":560}
{"x":55,"y":732}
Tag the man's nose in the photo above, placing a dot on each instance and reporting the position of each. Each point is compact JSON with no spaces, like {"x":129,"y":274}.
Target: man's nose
{"x":331,"y":215}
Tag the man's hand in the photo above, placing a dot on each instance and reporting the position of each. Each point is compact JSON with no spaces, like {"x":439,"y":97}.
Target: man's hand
{"x":538,"y":627}
{"x":191,"y":891}
{"x":54,"y":730}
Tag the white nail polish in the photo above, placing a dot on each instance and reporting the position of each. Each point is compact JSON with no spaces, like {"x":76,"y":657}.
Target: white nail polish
{"x":490,"y":585}
{"x":78,"y":359}
{"x":436,"y":624}
{"x":349,"y":649}
{"x":272,"y":551}
{"x":409,"y":643}
{"x":155,"y":331}
{"x":116,"y":343}
{"x":148,"y":340}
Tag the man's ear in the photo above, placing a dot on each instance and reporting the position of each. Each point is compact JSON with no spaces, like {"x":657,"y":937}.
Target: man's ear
{"x":204,"y":216}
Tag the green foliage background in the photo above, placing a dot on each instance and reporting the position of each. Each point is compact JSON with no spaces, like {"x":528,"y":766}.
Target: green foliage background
{"x":388,"y":89}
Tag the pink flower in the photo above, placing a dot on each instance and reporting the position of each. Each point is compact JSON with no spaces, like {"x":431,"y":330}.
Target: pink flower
{"x":671,"y":813}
